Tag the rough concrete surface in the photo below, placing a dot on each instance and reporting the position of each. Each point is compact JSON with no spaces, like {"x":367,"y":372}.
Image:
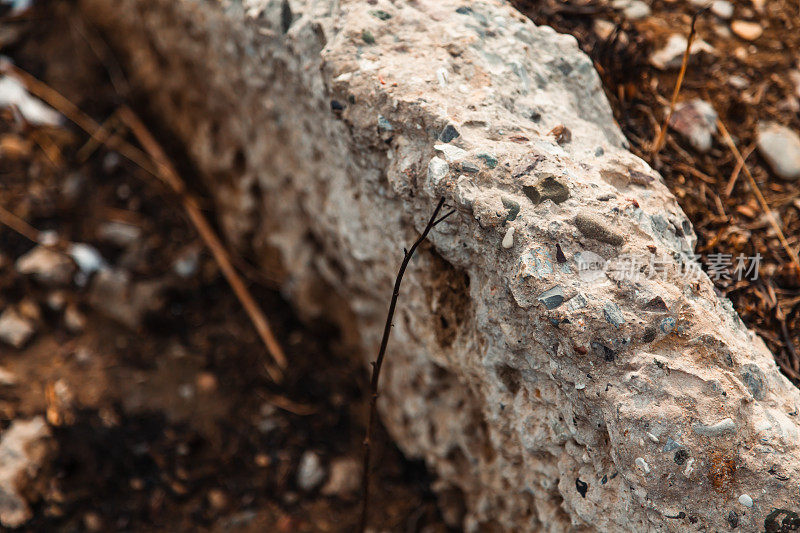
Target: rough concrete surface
{"x":547,"y":397}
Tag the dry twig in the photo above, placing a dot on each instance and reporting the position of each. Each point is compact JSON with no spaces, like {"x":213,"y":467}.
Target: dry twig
{"x":166,"y":171}
{"x":7,"y":218}
{"x":659,"y":142}
{"x":737,"y":170}
{"x":376,"y":366}
{"x":101,"y":136}
{"x":64,"y":106}
{"x":759,"y":196}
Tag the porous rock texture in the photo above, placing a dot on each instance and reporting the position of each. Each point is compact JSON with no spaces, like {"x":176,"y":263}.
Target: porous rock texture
{"x":548,"y":397}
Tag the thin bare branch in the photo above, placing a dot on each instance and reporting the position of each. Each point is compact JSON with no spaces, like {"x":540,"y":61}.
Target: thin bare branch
{"x":377,"y":365}
{"x":101,"y":136}
{"x":759,"y":196}
{"x":659,"y":142}
{"x":737,"y":170}
{"x":64,"y":106}
{"x":7,"y":218}
{"x":166,"y":171}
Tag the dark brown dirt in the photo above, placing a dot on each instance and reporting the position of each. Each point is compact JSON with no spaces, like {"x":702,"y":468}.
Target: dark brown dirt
{"x":173,"y":425}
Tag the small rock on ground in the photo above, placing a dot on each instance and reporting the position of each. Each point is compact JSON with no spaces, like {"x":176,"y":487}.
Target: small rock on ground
{"x":749,"y":31}
{"x":671,"y":55}
{"x":46,"y":266}
{"x":633,"y":9}
{"x":722,"y":9}
{"x":311,"y":472}
{"x":23,"y":450}
{"x":344,"y":479}
{"x":780,"y":146}
{"x":15,"y":329}
{"x":696,"y":121}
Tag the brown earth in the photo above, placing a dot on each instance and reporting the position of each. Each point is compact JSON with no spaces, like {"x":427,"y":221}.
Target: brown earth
{"x":174,"y":424}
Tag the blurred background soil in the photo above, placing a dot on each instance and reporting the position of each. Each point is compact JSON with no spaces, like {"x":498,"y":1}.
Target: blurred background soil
{"x":146,"y":368}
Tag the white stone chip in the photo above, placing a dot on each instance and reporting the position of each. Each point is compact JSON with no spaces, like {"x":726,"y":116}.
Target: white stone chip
{"x":508,"y":240}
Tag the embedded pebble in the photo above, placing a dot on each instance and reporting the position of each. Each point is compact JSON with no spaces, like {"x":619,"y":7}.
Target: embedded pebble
{"x":670,"y":445}
{"x":680,"y":456}
{"x":577,"y":302}
{"x":547,"y":189}
{"x":725,"y":425}
{"x":448,"y":134}
{"x":441,"y":75}
{"x":552,"y":298}
{"x":696,"y":121}
{"x":754,"y":378}
{"x":746,"y":500}
{"x":642,"y":464}
{"x":437,"y":169}
{"x":592,"y":227}
{"x":513,"y":208}
{"x":451,"y":153}
{"x":667,"y":325}
{"x":508,"y":240}
{"x":656,"y":305}
{"x":613,"y":314}
{"x":689,"y":467}
{"x":384,"y":124}
{"x":380,"y":14}
{"x":601,"y":350}
{"x":780,"y":146}
{"x":749,"y":31}
{"x":489,"y":159}
{"x":470,"y":168}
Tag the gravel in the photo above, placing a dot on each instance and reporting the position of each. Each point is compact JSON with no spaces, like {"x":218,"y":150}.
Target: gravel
{"x":780,"y":146}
